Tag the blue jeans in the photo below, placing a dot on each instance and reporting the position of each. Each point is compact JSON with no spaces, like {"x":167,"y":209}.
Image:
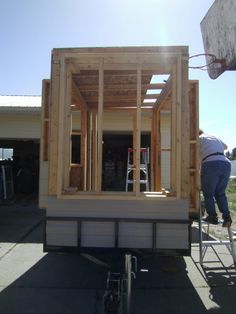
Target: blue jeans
{"x":214,"y":179}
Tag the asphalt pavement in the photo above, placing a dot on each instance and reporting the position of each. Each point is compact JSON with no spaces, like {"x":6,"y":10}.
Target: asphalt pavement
{"x":34,"y":282}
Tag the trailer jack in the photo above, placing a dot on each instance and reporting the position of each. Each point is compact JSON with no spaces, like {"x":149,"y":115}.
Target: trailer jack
{"x":117,"y":297}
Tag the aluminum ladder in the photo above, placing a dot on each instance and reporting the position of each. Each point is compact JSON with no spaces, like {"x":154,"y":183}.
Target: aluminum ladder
{"x":144,"y":159}
{"x":204,"y":227}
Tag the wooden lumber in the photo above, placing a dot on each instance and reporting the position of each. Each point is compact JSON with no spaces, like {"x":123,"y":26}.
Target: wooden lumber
{"x":67,"y":128}
{"x":113,"y":79}
{"x":106,"y":89}
{"x":84,"y":148}
{"x":54,"y":125}
{"x":194,"y":177}
{"x":185,"y":129}
{"x":94,"y":152}
{"x":138,"y":133}
{"x":61,"y":124}
{"x":153,"y":148}
{"x":178,"y":127}
{"x":100,"y":128}
{"x":45,"y":116}
{"x":89,"y":151}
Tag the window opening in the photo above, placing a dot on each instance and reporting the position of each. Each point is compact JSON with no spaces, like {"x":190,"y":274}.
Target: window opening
{"x":6,"y":153}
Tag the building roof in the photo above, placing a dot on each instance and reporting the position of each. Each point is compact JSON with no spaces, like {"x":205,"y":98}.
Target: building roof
{"x":20,"y":101}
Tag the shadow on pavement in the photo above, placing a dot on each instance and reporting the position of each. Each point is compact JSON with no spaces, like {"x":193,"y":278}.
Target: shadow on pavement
{"x":18,"y":219}
{"x":35,"y":282}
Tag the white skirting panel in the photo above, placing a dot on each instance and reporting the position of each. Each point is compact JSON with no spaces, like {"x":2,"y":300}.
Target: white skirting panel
{"x":135,"y":235}
{"x":172,"y":236}
{"x":61,"y":233}
{"x":96,"y":232}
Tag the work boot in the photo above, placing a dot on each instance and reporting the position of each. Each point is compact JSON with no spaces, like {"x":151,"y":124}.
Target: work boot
{"x":211,"y":220}
{"x":227,"y":221}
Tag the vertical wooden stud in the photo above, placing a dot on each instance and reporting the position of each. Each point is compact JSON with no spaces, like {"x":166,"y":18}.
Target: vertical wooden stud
{"x":53,"y":142}
{"x":138,"y":131}
{"x":61,"y":138}
{"x":45,"y":120}
{"x":100,"y":129}
{"x":178,"y":128}
{"x":185,"y":128}
{"x":67,"y":128}
{"x":173,"y":181}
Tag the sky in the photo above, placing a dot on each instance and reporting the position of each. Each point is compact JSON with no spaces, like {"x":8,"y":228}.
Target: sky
{"x":30,"y":29}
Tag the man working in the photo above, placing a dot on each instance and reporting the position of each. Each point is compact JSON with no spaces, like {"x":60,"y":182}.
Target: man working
{"x":215,"y":173}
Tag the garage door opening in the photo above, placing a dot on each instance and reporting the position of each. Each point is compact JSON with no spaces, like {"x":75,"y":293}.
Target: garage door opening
{"x":20,"y":158}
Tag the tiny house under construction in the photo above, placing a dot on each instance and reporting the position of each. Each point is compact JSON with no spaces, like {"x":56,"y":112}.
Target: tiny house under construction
{"x":119,"y":149}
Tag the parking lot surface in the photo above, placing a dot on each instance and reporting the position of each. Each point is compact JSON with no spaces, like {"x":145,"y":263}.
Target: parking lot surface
{"x":34,"y":282}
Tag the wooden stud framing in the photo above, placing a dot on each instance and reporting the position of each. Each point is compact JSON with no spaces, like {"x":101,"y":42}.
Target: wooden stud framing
{"x":98,"y":80}
{"x":138,"y":133}
{"x":194,"y":179}
{"x":178,"y":129}
{"x":67,"y":128}
{"x":153,"y":149}
{"x":94,"y":152}
{"x":173,"y":181}
{"x":156,"y":151}
{"x":54,"y":126}
{"x":89,"y":152}
{"x":100,"y":129}
{"x":84,"y":147}
{"x":61,"y":135}
{"x":45,"y":116}
{"x":185,"y":128}
{"x":95,"y":78}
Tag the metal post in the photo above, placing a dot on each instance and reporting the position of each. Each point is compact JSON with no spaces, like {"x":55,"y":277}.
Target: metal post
{"x":232,"y":246}
{"x":200,"y":232}
{"x":128,"y":267}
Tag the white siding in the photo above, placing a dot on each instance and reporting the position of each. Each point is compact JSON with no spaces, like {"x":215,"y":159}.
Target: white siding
{"x":61,"y":233}
{"x":135,"y":235}
{"x":98,"y":234}
{"x":20,"y":126}
{"x":117,"y":121}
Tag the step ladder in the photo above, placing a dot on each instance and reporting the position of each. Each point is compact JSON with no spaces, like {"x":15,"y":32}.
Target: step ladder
{"x":144,"y":160}
{"x":204,"y":228}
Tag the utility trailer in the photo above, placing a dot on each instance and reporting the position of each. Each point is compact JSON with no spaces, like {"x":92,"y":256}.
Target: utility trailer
{"x":99,"y":103}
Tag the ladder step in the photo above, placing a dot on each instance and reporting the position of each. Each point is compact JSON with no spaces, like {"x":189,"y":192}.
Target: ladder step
{"x":141,"y":181}
{"x":204,"y":227}
{"x":143,"y":167}
{"x":216,"y":242}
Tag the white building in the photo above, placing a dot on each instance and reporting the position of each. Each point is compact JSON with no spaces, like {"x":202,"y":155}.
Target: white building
{"x":19,"y":137}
